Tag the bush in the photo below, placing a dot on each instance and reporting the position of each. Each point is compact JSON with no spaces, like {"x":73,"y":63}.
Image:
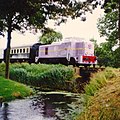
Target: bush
{"x":2,"y":69}
{"x":18,"y":74}
{"x":52,"y":76}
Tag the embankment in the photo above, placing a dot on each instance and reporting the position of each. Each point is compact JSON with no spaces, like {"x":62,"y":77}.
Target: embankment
{"x":102,"y":97}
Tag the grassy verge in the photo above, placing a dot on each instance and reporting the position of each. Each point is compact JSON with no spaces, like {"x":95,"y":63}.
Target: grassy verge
{"x":102,"y":97}
{"x":10,"y":90}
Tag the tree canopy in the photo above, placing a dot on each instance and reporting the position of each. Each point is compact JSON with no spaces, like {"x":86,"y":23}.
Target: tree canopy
{"x":28,"y":14}
{"x":108,"y":25}
{"x":50,"y":36}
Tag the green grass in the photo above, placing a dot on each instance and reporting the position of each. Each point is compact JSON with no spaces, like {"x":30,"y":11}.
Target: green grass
{"x":10,"y":90}
{"x":102,"y":96}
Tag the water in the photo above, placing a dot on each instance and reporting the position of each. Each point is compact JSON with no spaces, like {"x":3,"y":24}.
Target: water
{"x":43,"y":106}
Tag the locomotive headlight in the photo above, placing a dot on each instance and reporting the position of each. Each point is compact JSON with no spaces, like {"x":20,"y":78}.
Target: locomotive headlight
{"x":86,"y":58}
{"x":76,"y":59}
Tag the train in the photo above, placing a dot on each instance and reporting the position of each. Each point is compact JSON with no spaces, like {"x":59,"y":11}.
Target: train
{"x":71,"y":51}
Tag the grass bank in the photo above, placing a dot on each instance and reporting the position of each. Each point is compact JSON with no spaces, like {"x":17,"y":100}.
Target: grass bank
{"x":10,"y":90}
{"x":102,"y":97}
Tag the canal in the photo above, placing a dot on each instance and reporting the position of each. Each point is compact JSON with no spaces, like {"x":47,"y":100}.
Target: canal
{"x":44,"y":106}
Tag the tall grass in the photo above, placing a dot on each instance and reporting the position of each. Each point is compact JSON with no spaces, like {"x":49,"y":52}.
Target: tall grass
{"x":98,"y":81}
{"x":101,"y":97}
{"x":42,"y":75}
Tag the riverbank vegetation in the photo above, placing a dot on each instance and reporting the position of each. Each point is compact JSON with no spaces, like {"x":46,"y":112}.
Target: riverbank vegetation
{"x":10,"y":90}
{"x":42,"y":75}
{"x":102,"y":96}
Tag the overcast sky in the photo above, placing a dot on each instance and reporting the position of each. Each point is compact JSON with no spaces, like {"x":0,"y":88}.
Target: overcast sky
{"x":73,"y":28}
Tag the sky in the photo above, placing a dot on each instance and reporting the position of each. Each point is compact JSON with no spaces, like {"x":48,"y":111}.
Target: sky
{"x":72,"y":28}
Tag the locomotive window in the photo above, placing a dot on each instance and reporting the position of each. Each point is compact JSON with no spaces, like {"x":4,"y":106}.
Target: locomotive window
{"x":20,"y":50}
{"x":46,"y":51}
{"x":24,"y":50}
{"x":14,"y":51}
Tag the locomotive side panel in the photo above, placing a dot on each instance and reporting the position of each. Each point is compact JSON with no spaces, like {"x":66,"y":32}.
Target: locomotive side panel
{"x":54,"y":53}
{"x":72,"y":52}
{"x":48,"y":51}
{"x":64,"y":50}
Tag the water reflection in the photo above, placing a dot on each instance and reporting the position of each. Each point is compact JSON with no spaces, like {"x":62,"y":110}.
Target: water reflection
{"x":43,"y":106}
{"x":4,"y":112}
{"x":57,"y":105}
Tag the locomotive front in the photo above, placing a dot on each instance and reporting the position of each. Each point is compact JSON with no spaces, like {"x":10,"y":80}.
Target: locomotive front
{"x":85,"y":53}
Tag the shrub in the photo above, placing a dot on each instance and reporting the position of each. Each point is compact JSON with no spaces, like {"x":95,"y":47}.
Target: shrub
{"x":43,"y":75}
{"x":18,"y":74}
{"x":2,"y":69}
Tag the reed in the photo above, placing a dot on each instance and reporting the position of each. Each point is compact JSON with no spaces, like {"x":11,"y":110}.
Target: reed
{"x":42,"y":75}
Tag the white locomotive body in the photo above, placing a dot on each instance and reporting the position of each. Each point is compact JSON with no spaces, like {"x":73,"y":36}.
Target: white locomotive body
{"x":75,"y":52}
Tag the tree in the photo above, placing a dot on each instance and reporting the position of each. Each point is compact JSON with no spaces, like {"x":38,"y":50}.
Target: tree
{"x":116,"y":58}
{"x":108,"y":26}
{"x":50,"y":36}
{"x":105,"y":54}
{"x":101,"y":51}
{"x":33,"y":14}
{"x":113,"y":6}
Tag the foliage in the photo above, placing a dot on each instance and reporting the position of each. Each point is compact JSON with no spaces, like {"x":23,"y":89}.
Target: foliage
{"x":10,"y":90}
{"x":116,"y":58}
{"x":98,"y":81}
{"x":107,"y":56}
{"x":104,"y":105}
{"x":2,"y":69}
{"x":50,"y":36}
{"x":42,"y":75}
{"x":108,"y":27}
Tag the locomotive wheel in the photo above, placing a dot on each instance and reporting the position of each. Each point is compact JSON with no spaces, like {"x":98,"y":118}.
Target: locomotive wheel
{"x":72,"y":62}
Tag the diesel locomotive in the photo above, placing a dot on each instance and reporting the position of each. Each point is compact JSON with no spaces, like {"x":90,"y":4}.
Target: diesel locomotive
{"x":71,"y":51}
